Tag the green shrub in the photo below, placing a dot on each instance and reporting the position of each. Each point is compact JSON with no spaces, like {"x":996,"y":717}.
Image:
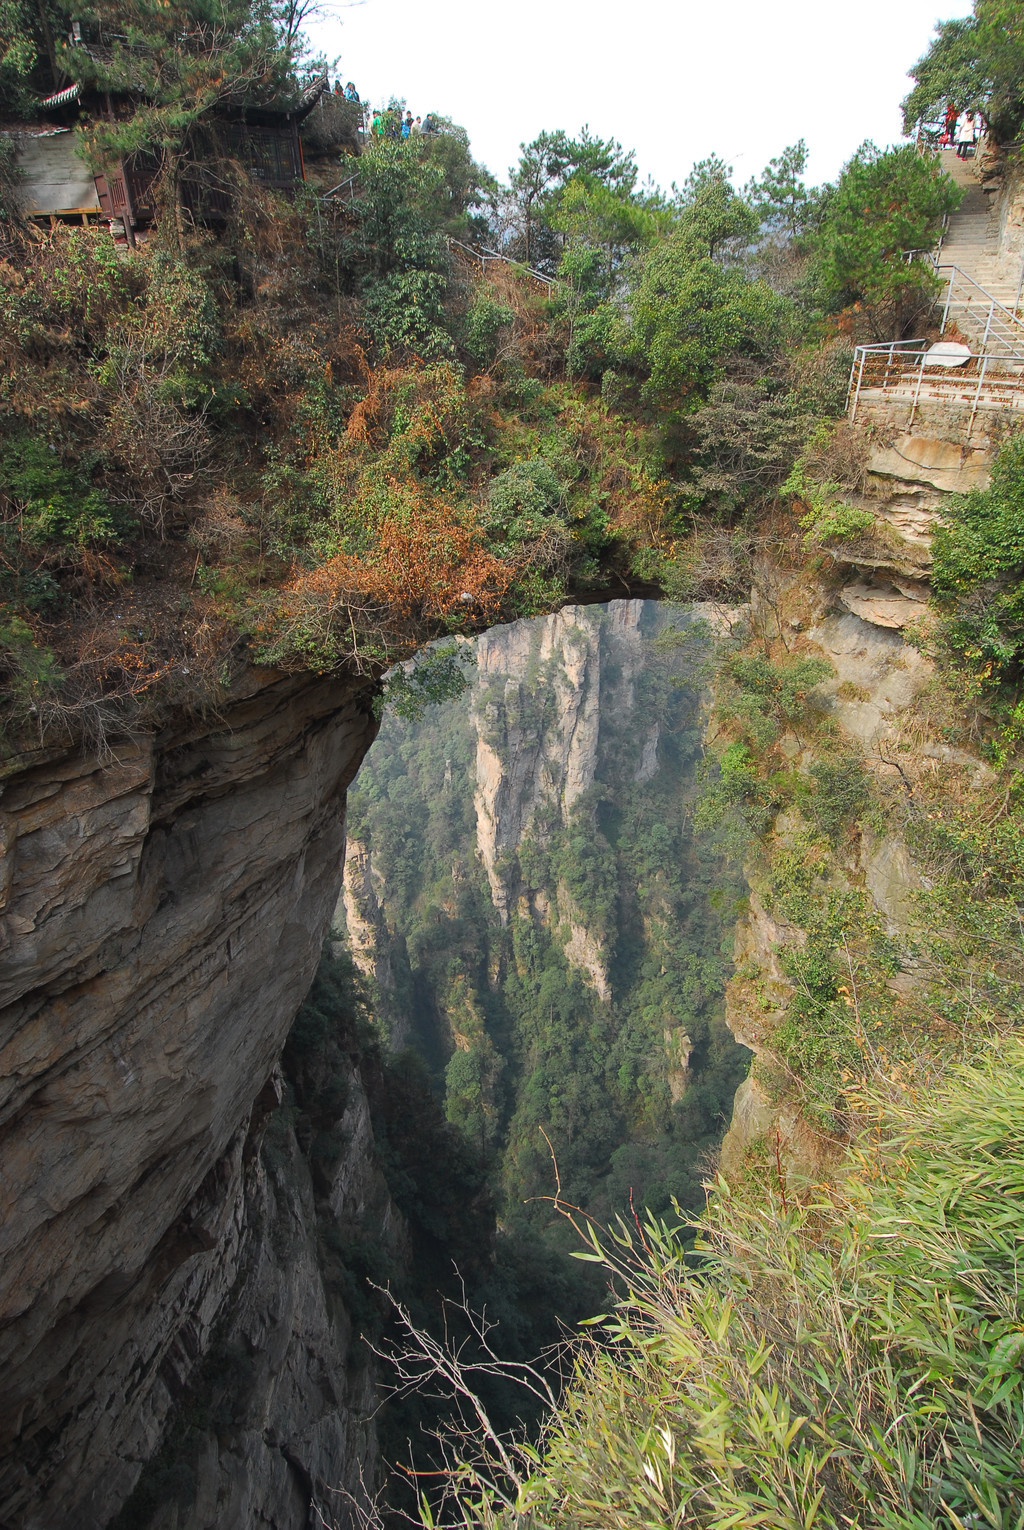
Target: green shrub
{"x":978,"y":575}
{"x":765,"y":699}
{"x":842,"y":1357}
{"x":436,"y":676}
{"x":524,"y":513}
{"x":827,"y":517}
{"x":50,"y":501}
{"x":406,"y":312}
{"x":840,"y":792}
{"x":486,"y":320}
{"x":31,"y":668}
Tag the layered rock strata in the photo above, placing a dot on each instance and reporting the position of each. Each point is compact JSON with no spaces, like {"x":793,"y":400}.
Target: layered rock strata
{"x":163,"y":913}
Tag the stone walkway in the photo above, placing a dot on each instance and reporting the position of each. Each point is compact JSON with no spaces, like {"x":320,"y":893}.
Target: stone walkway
{"x":972,"y":239}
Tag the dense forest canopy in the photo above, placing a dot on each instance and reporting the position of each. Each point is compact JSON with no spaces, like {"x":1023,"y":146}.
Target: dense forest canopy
{"x":314,"y":411}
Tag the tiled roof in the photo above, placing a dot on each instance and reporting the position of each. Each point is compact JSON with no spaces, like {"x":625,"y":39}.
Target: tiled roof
{"x":62,"y":97}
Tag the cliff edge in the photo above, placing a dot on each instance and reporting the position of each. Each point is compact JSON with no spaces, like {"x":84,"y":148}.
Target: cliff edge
{"x":163,"y":914}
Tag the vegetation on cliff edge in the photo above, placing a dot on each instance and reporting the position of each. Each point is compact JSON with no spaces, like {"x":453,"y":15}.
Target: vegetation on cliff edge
{"x":309,"y":434}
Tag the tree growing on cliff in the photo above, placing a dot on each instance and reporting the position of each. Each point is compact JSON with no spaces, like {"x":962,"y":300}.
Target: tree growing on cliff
{"x":693,"y":308}
{"x":974,"y":62}
{"x":886,"y":204}
{"x":978,"y":577}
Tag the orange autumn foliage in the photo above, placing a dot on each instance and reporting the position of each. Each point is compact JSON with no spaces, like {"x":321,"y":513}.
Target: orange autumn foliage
{"x":425,"y":565}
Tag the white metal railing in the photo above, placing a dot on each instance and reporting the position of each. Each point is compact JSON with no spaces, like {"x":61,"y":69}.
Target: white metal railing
{"x":345,"y":190}
{"x":902,"y":372}
{"x":342,"y":187}
{"x":485,"y":255}
{"x":1002,"y":332}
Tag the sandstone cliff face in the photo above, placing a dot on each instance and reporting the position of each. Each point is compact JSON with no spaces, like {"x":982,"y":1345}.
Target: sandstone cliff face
{"x":520,"y":766}
{"x":539,"y":695}
{"x":163,"y":913}
{"x":364,"y":917}
{"x":542,"y":690}
{"x":278,"y":1417}
{"x":878,"y":681}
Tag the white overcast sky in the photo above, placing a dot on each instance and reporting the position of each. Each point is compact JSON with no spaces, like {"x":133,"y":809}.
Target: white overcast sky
{"x":673,"y":79}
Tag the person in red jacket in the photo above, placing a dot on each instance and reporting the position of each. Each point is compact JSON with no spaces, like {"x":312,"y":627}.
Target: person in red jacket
{"x":948,"y":126}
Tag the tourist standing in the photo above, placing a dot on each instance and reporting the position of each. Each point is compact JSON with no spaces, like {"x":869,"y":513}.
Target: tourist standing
{"x":966,"y":136}
{"x":949,"y":127}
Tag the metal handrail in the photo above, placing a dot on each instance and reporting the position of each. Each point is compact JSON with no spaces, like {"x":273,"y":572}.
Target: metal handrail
{"x":483,"y":255}
{"x":999,"y":319}
{"x":905,"y":375}
{"x":341,"y":185}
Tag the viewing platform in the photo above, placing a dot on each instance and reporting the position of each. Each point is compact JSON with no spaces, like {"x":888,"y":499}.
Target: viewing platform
{"x":961,"y":385}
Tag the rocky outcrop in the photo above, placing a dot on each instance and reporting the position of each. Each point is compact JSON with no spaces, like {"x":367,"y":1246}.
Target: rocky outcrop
{"x":363,"y":917}
{"x":274,"y":1423}
{"x":164,"y":910}
{"x":906,"y":479}
{"x":877,"y":675}
{"x":886,"y":604}
{"x":583,"y":950}
{"x":533,"y":749}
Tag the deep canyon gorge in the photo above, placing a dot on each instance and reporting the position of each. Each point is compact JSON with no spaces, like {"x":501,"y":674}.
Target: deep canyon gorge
{"x":143,"y":890}
{"x":511,"y":805}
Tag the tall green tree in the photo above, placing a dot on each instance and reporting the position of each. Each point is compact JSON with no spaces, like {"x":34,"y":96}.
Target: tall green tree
{"x":886,"y":203}
{"x":692,"y":308}
{"x":536,"y":185}
{"x":973,"y":63}
{"x":780,"y":197}
{"x":602,"y":226}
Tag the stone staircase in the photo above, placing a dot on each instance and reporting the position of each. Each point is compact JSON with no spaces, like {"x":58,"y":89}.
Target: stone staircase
{"x":971,"y":243}
{"x":972,"y":238}
{"x":967,"y":398}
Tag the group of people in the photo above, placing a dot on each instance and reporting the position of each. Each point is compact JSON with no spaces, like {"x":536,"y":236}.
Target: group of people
{"x":390,"y":121}
{"x":962,"y":129}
